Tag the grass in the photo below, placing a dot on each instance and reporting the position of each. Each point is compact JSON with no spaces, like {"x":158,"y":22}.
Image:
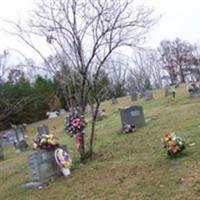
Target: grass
{"x":125,"y":167}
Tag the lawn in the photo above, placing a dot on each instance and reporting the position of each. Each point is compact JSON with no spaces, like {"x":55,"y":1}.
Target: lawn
{"x":132,"y":166}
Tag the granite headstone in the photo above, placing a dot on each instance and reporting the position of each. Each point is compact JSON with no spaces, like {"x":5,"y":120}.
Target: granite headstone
{"x":134,"y":97}
{"x":167,"y":90}
{"x":1,"y":150}
{"x":194,"y":90}
{"x":62,"y":112}
{"x":132,"y":115}
{"x":20,"y":142}
{"x":148,"y":95}
{"x":42,"y":165}
{"x":114,"y":101}
{"x":43,"y":129}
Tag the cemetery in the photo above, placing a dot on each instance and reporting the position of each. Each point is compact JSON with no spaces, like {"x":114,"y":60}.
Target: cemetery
{"x":143,"y":148}
{"x":97,"y":103}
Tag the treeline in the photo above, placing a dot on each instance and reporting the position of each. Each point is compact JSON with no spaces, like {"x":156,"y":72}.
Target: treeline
{"x":23,"y":101}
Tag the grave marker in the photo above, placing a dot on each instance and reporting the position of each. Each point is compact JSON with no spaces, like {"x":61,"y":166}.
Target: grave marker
{"x":43,"y":129}
{"x":132,"y":115}
{"x":20,"y":142}
{"x":167,"y":90}
{"x":148,"y":95}
{"x":1,"y":150}
{"x":62,"y":112}
{"x":194,"y":90}
{"x":134,"y":97}
{"x":114,"y":101}
{"x":42,"y":167}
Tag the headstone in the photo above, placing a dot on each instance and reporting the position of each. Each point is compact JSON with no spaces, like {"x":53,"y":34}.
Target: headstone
{"x":167,"y":90}
{"x":1,"y":150}
{"x":43,"y":129}
{"x":101,"y":114}
{"x":66,"y":122}
{"x":42,"y":165}
{"x":194,"y":90}
{"x":139,"y":95}
{"x":114,"y":100}
{"x":132,"y":115}
{"x":8,"y":136}
{"x":20,"y":142}
{"x":62,"y":112}
{"x":134,"y":97}
{"x":148,"y":95}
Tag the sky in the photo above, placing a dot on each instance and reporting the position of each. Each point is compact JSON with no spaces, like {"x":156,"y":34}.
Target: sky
{"x":180,"y":18}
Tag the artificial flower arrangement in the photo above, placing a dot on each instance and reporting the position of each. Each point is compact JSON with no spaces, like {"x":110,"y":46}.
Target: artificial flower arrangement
{"x":44,"y":141}
{"x":128,"y":128}
{"x":173,"y":144}
{"x":63,"y":160}
{"x":74,"y":126}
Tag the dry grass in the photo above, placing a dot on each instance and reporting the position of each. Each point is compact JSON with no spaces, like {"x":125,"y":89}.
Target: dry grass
{"x":125,"y":167}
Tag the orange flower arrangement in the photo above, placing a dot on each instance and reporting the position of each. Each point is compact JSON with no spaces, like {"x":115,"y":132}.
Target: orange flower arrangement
{"x":172,"y":144}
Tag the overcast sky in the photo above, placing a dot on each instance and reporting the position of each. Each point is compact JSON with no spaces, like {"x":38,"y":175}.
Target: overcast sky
{"x":180,"y":19}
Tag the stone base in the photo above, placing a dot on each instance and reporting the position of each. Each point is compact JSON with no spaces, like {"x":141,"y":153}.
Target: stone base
{"x":37,"y":184}
{"x":21,"y":145}
{"x":32,"y":185}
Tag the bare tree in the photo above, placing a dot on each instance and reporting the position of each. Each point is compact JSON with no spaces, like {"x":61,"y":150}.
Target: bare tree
{"x":84,"y":34}
{"x":117,"y":67}
{"x":146,"y":68}
{"x":178,"y":58}
{"x":137,"y":76}
{"x":3,"y":66}
{"x":154,"y":66}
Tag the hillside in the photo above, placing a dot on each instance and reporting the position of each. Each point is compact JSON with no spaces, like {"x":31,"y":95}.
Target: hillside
{"x":125,"y":167}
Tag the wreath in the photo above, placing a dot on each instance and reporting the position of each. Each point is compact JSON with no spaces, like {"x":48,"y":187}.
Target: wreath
{"x":63,"y":159}
{"x":74,"y":124}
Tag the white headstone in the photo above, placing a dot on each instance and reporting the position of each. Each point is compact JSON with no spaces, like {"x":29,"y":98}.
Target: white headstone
{"x":52,"y":114}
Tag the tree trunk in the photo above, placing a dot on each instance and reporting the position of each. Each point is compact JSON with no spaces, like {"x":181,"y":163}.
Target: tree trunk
{"x":82,"y":142}
{"x":182,"y":75}
{"x":92,"y":135}
{"x":172,"y":75}
{"x":82,"y":148}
